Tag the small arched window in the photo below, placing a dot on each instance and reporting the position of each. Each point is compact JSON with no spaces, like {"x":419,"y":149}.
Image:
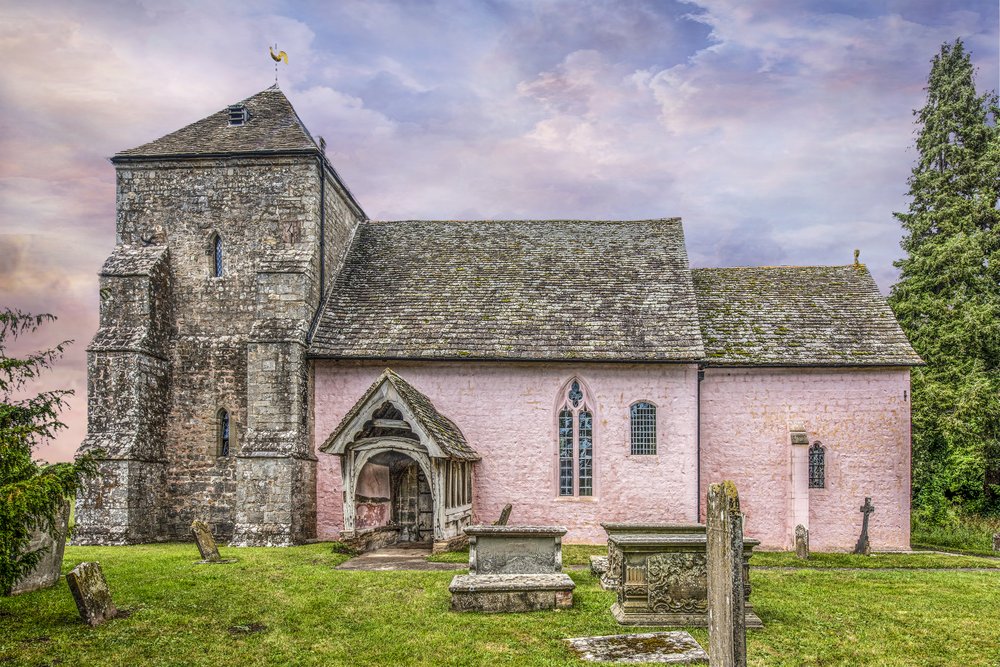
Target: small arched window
{"x":217,"y":256}
{"x":224,"y":431}
{"x":576,"y":443}
{"x":643,"y":421}
{"x":817,"y":466}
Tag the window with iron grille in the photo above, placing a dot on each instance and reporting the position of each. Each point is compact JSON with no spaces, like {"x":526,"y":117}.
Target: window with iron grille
{"x":643,"y":419}
{"x":817,"y":466}
{"x":217,"y":256}
{"x":576,"y":443}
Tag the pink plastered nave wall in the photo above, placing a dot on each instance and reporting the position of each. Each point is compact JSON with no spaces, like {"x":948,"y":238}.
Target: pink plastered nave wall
{"x":507,"y":412}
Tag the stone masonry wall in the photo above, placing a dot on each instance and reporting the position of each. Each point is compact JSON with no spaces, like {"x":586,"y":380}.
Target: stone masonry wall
{"x":862,"y":418}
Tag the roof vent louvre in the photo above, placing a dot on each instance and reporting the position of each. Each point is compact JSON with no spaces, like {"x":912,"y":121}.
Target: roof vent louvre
{"x":238,"y":114}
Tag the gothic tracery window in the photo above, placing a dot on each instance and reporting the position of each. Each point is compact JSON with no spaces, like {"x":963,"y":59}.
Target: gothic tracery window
{"x":642,"y":418}
{"x":576,"y":443}
{"x":817,"y":466}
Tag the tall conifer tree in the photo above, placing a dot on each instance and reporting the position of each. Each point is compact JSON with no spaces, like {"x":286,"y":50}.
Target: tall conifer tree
{"x":948,"y":295}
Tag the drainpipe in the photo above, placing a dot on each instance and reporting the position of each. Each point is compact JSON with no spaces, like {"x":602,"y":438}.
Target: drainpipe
{"x":701,"y":376}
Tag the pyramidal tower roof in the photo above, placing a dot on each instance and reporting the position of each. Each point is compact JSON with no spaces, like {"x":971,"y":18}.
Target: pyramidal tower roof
{"x":271,"y":126}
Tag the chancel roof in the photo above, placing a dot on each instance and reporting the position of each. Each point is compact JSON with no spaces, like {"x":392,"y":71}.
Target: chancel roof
{"x":272,"y":127}
{"x":539,"y":290}
{"x":798,"y":316}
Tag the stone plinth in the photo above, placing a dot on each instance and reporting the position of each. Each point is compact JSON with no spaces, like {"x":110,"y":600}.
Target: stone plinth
{"x":598,"y":565}
{"x":664,"y":579}
{"x":511,"y":592}
{"x":515,"y":549}
{"x":674,"y":648}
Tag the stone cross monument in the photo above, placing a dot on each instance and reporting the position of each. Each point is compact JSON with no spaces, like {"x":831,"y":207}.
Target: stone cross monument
{"x":727,"y":631}
{"x":863,"y":547}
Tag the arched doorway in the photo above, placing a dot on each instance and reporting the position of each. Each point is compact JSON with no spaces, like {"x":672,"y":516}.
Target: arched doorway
{"x":404,"y":466}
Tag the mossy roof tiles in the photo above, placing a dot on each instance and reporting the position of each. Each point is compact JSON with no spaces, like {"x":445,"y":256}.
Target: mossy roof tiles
{"x":798,"y":316}
{"x":539,"y":290}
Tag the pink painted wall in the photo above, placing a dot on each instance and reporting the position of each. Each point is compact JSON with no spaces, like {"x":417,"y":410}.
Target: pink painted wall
{"x":507,"y":413}
{"x":862,"y":417}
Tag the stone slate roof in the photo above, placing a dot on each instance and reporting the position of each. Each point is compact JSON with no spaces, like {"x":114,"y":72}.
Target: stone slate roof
{"x":798,"y":316}
{"x":128,"y":260}
{"x":274,"y":127}
{"x":540,"y":290}
{"x":444,"y":431}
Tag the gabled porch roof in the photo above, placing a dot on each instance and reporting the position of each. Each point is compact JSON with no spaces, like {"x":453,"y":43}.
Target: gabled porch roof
{"x":439,"y":434}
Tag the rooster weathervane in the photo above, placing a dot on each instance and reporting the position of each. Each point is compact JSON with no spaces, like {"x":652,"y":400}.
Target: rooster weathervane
{"x":277,"y":57}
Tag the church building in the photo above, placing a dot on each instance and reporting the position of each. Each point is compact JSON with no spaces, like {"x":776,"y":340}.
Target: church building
{"x":271,"y":361}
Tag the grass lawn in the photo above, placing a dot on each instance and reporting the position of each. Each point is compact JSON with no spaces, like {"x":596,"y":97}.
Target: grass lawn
{"x":288,"y":606}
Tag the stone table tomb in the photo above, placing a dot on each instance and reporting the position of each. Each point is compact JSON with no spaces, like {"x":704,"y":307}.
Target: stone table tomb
{"x":513,"y":569}
{"x":663,"y":579}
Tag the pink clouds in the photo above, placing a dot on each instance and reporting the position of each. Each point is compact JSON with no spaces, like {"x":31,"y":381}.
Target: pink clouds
{"x":780,"y":133}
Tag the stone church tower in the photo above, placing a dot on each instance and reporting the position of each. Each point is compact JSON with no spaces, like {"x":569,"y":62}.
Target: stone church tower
{"x":230,"y":232}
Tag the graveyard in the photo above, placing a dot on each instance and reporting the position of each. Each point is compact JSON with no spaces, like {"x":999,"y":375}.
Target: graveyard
{"x":290,"y":606}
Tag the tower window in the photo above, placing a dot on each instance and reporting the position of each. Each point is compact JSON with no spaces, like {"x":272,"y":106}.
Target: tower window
{"x":223,"y":439}
{"x":238,"y":114}
{"x":217,"y":257}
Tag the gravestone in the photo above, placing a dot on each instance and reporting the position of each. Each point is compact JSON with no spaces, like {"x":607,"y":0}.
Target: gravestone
{"x":996,"y":542}
{"x":610,"y":578}
{"x":504,"y":515}
{"x":206,"y":543}
{"x":513,"y":569}
{"x":727,"y":633}
{"x":49,"y":567}
{"x":91,"y":592}
{"x":801,"y":541}
{"x":863,"y":547}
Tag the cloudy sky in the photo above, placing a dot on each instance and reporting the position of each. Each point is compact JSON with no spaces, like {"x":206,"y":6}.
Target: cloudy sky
{"x":780,"y":131}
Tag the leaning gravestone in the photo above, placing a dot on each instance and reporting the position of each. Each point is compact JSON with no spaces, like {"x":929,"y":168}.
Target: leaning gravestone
{"x":727,"y":632}
{"x":504,"y":515}
{"x":863,"y":547}
{"x":996,"y":542}
{"x":801,"y":541}
{"x":49,"y":568}
{"x":91,"y":592}
{"x":206,"y":543}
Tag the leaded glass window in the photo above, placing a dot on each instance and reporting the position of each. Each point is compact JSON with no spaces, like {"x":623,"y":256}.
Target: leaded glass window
{"x":217,"y":257}
{"x":565,"y":453}
{"x":576,"y":443}
{"x":643,"y":420}
{"x":586,"y":439}
{"x":817,"y":466}
{"x":223,"y":444}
